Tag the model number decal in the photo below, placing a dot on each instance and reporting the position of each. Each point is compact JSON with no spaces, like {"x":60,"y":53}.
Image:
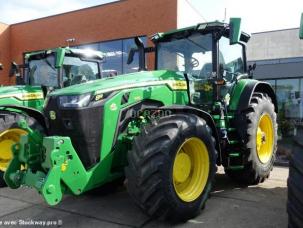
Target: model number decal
{"x":24,"y":96}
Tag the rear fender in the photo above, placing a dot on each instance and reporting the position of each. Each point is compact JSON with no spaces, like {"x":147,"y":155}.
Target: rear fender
{"x":243,"y":91}
{"x":241,"y":98}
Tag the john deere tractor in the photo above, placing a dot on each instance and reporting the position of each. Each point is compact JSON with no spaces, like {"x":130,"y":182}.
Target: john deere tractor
{"x":165,"y":131}
{"x":295,"y":179}
{"x":44,"y":71}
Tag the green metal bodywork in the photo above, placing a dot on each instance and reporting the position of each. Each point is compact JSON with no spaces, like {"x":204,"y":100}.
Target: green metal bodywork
{"x":59,"y":167}
{"x":28,"y":96}
{"x":236,"y":92}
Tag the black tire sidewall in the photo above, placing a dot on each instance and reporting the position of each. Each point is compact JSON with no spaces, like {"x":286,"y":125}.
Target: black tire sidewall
{"x":264,"y":107}
{"x":12,"y":122}
{"x":295,"y":187}
{"x":185,"y":132}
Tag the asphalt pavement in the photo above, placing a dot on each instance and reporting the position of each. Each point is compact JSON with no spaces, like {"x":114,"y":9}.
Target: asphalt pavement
{"x":230,"y":206}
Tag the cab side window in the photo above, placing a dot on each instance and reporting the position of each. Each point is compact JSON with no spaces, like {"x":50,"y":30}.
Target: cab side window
{"x":230,"y":59}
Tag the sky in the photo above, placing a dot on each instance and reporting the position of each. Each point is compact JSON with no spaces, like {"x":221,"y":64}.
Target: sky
{"x":257,"y":15}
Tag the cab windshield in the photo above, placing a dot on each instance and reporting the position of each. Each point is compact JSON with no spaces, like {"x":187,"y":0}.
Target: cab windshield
{"x":191,"y":55}
{"x":42,"y":71}
{"x":76,"y":71}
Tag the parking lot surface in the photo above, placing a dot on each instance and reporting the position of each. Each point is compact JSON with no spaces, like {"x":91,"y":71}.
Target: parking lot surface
{"x":230,"y":206}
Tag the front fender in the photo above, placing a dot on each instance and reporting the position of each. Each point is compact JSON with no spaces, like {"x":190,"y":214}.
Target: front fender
{"x":177,"y":109}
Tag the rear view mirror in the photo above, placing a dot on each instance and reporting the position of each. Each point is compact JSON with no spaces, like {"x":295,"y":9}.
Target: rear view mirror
{"x":14,"y":70}
{"x":301,"y":27}
{"x":235,"y":30}
{"x":1,"y":66}
{"x":141,"y":51}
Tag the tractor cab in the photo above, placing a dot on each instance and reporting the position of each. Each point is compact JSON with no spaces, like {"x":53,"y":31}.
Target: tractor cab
{"x":59,"y":68}
{"x":212,"y":56}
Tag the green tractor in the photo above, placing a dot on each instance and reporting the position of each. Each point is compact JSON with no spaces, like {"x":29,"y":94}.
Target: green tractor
{"x":43,"y":72}
{"x":294,"y":182}
{"x":164,"y":131}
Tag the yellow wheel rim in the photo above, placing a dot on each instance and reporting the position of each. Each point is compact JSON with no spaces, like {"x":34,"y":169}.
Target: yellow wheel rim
{"x":7,"y":139}
{"x":265,"y":138}
{"x":191,"y":169}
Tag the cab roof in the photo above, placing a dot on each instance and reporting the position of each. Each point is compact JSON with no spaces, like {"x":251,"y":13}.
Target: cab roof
{"x":85,"y":53}
{"x":199,"y":28}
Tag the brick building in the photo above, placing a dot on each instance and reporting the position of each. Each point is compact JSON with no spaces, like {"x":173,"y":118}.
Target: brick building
{"x":109,"y":28}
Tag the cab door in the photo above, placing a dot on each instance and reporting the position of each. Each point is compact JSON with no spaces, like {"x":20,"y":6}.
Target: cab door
{"x":231,"y":65}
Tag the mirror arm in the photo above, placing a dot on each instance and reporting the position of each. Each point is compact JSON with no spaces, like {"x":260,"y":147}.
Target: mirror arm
{"x":142,"y":51}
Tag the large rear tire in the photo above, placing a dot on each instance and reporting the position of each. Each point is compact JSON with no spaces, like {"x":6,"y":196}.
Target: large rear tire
{"x":171,"y":167}
{"x":295,"y":189}
{"x":9,"y":135}
{"x":260,"y":143}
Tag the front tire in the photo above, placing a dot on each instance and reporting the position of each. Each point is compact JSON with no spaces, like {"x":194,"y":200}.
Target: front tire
{"x":10,"y":134}
{"x":260,"y":143}
{"x":171,"y":167}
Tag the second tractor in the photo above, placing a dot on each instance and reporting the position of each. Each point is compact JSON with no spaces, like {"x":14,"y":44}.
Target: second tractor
{"x":42,"y":72}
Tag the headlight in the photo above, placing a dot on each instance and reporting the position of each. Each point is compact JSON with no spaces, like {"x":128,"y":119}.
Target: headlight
{"x":76,"y":101}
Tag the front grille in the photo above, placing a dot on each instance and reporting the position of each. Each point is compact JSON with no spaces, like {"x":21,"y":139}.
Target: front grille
{"x":83,"y":126}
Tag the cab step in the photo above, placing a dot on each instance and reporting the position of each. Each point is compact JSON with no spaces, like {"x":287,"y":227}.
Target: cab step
{"x":231,"y":129}
{"x":234,"y":155}
{"x":233,"y":142}
{"x":235,"y":167}
{"x":218,"y":117}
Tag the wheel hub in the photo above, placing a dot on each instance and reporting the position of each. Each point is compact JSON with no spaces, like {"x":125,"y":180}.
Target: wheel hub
{"x":261,"y":138}
{"x":191,"y":169}
{"x":182,"y":167}
{"x":265,"y":138}
{"x":7,"y":139}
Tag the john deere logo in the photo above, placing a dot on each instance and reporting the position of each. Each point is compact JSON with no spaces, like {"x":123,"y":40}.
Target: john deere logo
{"x":113,"y":107}
{"x":52,"y":115}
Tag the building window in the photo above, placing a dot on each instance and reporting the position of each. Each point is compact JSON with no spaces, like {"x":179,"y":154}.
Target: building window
{"x":116,"y":53}
{"x":289,"y":95}
{"x":272,"y":83}
{"x":134,"y":66}
{"x":113,"y":61}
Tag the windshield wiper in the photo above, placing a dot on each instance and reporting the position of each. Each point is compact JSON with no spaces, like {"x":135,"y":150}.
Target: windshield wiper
{"x":49,"y":64}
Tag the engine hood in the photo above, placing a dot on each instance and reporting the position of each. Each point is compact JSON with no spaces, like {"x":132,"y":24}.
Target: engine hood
{"x":138,"y":79}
